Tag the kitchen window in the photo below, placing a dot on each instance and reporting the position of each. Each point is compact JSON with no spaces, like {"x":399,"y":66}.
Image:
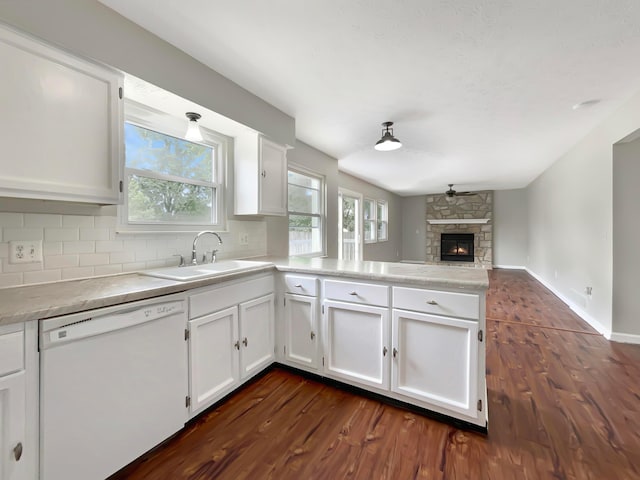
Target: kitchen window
{"x":306,"y":213}
{"x":382,"y":213}
{"x":170,"y":183}
{"x":370,"y":224}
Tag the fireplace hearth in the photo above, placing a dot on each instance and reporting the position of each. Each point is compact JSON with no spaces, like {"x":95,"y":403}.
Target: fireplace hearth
{"x":456,"y":247}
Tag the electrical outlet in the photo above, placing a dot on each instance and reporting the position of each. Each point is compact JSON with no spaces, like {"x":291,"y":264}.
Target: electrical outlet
{"x":25,"y":251}
{"x":244,"y":239}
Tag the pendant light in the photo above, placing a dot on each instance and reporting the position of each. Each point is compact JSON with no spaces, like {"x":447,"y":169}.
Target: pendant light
{"x":388,"y":142}
{"x":193,"y":131}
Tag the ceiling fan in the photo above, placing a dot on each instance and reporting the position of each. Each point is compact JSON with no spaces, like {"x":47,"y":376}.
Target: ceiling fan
{"x":452,"y":193}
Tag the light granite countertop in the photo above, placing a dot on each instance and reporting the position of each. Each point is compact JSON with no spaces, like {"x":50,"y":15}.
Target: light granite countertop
{"x":32,"y":302}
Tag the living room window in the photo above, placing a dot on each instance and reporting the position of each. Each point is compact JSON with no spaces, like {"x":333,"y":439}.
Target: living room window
{"x":306,"y":213}
{"x":170,"y":183}
{"x":382,"y":213}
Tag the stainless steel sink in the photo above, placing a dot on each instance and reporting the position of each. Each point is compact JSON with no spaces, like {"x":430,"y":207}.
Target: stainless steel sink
{"x":196,"y":272}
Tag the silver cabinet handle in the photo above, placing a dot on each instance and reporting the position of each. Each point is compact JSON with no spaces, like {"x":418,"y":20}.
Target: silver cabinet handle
{"x":384,"y":351}
{"x":297,"y":285}
{"x":237,"y":345}
{"x":432,"y":302}
{"x":17,"y":451}
{"x":353,"y":293}
{"x":395,"y":352}
{"x":264,"y":174}
{"x":245,"y":342}
{"x":313,"y":335}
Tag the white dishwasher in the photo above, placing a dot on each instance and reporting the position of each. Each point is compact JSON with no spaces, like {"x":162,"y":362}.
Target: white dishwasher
{"x":113,"y":385}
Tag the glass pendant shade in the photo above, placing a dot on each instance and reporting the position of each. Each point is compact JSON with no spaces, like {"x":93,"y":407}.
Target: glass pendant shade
{"x":193,"y":130}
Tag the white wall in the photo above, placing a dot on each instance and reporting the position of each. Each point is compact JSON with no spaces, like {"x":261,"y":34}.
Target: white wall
{"x":570,"y":219}
{"x":314,"y":160}
{"x":389,"y":251}
{"x":93,"y":30}
{"x":626,"y":238}
{"x":414,"y":228}
{"x":510,"y":228}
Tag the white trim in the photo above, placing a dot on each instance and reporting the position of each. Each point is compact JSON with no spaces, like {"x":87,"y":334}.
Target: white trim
{"x":625,"y":338}
{"x":511,"y":267}
{"x":456,"y":221}
{"x":606,"y":332}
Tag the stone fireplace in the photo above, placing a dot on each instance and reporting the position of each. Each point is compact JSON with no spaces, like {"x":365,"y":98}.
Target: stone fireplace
{"x":471,"y":215}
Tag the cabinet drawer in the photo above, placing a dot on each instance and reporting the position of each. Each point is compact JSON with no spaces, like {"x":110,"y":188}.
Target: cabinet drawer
{"x":224,"y":296}
{"x":357,"y":292}
{"x":452,"y":304}
{"x":11,"y":352}
{"x":301,"y":285}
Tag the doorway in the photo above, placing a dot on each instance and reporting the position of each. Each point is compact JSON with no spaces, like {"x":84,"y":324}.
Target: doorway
{"x":350,"y":225}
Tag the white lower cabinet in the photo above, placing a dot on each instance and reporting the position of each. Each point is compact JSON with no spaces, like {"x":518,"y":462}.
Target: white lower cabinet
{"x":435,"y":361}
{"x":231,"y":338}
{"x":213,"y":357}
{"x":301,"y":330}
{"x":13,"y":425}
{"x":356,"y":343}
{"x":256,"y":321}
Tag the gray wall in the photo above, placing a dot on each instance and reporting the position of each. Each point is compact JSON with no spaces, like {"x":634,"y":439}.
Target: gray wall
{"x":626,"y":237}
{"x":389,"y":251}
{"x":89,"y":28}
{"x":510,"y":228}
{"x":277,"y":227}
{"x":570,"y":219}
{"x":414,"y":228}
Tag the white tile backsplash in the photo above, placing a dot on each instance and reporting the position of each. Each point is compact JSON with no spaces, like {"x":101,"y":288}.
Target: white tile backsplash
{"x":78,"y":246}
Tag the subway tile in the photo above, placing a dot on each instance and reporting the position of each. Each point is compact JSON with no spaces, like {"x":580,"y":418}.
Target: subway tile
{"x":61,"y":261}
{"x":4,"y":250}
{"x":105,"y":221}
{"x":10,"y":279}
{"x":77,"y":221}
{"x":9,"y":234}
{"x":109,"y":246}
{"x":42,"y":220}
{"x":87,"y":259}
{"x":61,"y":234}
{"x":44,"y":276}
{"x":156,"y":264}
{"x":51,"y":248}
{"x":94,"y":234}
{"x":134,"y":245}
{"x":11,"y":220}
{"x":77,"y":272}
{"x":122,"y":257}
{"x":20,"y":267}
{"x":145,"y":255}
{"x":107,"y":269}
{"x":79,"y":247}
{"x":133,"y":267}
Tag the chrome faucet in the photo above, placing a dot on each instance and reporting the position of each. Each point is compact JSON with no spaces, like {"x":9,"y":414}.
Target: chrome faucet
{"x":194,"y":259}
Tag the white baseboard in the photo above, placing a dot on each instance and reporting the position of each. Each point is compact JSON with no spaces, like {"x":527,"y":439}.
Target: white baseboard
{"x":511,"y":267}
{"x":625,"y":338}
{"x":606,"y":332}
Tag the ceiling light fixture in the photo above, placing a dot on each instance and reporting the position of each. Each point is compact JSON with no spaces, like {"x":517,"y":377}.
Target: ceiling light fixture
{"x":193,"y":131}
{"x":388,"y":142}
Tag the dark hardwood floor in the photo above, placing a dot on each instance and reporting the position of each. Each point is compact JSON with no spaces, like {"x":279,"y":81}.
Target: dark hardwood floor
{"x":564,"y":403}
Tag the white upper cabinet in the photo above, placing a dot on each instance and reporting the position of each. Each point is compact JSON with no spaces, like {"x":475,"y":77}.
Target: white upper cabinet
{"x":61,"y":124}
{"x":260,"y":171}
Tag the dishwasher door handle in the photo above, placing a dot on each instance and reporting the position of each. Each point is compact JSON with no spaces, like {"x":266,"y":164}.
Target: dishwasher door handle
{"x":111,"y":322}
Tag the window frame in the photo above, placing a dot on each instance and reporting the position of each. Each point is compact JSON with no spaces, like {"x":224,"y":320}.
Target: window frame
{"x":166,"y":124}
{"x":374,"y":220}
{"x":321,"y":216}
{"x":385,"y":220}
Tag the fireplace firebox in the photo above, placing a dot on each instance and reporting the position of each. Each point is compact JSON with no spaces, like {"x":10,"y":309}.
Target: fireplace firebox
{"x":456,"y":247}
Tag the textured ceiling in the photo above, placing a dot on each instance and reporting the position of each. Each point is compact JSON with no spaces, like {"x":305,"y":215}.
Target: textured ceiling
{"x":480,"y":90}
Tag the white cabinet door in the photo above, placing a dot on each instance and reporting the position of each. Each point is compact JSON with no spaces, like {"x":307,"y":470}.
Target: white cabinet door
{"x":356,"y":343}
{"x":213,"y":357}
{"x":256,"y":322}
{"x":301,"y":330}
{"x":435,"y":360}
{"x":13,"y":427}
{"x":273,"y":178}
{"x":61,"y":124}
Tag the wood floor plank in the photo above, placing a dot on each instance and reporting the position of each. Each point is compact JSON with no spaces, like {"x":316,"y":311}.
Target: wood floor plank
{"x":564,"y":404}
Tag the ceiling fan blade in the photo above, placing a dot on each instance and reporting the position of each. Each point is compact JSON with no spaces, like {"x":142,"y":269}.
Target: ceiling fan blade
{"x":465,"y":194}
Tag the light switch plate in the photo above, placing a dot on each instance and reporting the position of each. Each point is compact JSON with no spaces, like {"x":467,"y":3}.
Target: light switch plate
{"x":25,"y":251}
